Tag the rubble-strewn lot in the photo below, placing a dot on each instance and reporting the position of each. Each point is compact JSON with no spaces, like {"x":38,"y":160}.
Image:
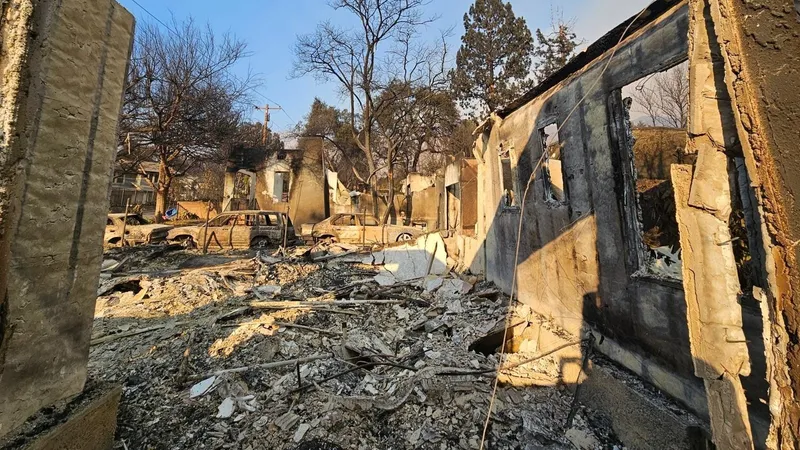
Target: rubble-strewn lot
{"x":264,"y":352}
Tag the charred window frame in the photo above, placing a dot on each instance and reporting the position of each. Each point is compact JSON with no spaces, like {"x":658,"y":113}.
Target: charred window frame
{"x":281,"y":186}
{"x":644,"y":146}
{"x":553,"y":174}
{"x":625,"y":179}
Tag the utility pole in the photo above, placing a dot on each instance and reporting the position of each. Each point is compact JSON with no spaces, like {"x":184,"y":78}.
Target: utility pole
{"x":266,"y":109}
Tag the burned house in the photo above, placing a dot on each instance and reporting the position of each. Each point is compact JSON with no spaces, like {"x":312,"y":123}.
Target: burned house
{"x":134,"y":187}
{"x":287,"y":180}
{"x":654,"y":237}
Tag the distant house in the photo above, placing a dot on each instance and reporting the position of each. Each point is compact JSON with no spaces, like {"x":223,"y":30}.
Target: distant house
{"x":138,"y":186}
{"x":289,"y":180}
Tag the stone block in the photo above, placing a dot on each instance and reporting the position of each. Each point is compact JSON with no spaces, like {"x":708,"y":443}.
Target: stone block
{"x":90,"y":424}
{"x":63,"y":73}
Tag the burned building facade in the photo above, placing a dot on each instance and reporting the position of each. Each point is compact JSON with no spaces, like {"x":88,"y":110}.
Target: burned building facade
{"x":288,"y":180}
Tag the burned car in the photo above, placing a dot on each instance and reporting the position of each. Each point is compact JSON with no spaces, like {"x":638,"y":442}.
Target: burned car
{"x":238,"y":229}
{"x":136,"y":228}
{"x":358,"y":228}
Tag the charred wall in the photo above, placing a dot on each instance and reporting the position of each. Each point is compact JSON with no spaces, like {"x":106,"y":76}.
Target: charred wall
{"x":573,"y":265}
{"x":307,"y":196}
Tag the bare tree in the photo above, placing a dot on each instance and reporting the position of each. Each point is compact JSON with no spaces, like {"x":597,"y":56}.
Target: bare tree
{"x":340,"y":148}
{"x":411,"y":102}
{"x":362,"y":61}
{"x":673,"y":89}
{"x":664,"y":97}
{"x":648,"y":101}
{"x":182,"y":101}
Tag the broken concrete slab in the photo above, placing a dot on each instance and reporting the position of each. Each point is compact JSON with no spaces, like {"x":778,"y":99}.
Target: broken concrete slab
{"x":582,"y":439}
{"x":432,"y":283}
{"x":454,"y":287}
{"x":203,"y":387}
{"x":226,"y":408}
{"x":426,"y":256}
{"x":301,"y":432}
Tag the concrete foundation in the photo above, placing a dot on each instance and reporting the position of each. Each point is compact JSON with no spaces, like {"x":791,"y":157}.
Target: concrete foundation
{"x":85,"y":423}
{"x":63,"y":70}
{"x":640,"y":416}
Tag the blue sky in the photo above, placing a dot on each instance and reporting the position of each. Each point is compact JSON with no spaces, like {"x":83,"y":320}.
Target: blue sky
{"x":270,"y":27}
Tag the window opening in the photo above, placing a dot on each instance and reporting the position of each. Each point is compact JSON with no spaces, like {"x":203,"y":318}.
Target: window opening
{"x":369,"y":221}
{"x":655,"y":114}
{"x":280,"y":191}
{"x":273,"y":220}
{"x":454,"y":204}
{"x":552,"y":168}
{"x":135,"y":220}
{"x":345,"y":221}
{"x":222,"y":221}
{"x":241,"y":186}
{"x":507,"y":176}
{"x":251,"y":220}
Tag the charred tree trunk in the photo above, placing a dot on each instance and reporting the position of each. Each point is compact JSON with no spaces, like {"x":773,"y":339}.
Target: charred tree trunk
{"x":390,"y":196}
{"x":162,"y":190}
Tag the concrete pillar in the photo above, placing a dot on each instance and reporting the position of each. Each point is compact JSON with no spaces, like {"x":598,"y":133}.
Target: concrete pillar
{"x":761,"y":50}
{"x":62,"y":74}
{"x":703,"y":208}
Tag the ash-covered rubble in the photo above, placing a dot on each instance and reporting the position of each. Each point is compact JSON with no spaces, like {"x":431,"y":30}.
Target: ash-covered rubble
{"x":274,"y":352}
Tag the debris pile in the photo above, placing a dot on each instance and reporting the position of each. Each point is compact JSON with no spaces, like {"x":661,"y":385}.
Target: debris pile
{"x":320,"y":351}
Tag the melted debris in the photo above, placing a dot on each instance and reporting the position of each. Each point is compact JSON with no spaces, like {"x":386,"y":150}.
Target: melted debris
{"x":244,"y":351}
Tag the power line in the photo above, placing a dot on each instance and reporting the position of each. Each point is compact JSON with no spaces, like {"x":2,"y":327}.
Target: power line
{"x":156,"y":18}
{"x":255,"y":90}
{"x":276,"y":104}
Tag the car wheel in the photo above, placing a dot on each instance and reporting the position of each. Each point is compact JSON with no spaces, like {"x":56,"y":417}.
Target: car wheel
{"x":187,"y":242}
{"x":326,"y":240}
{"x":259,"y":243}
{"x":404,"y":237}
